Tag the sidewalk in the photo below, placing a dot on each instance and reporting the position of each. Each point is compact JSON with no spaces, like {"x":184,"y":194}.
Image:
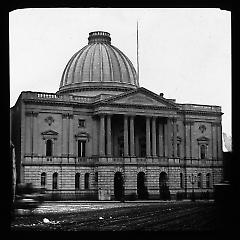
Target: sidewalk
{"x":135,"y":201}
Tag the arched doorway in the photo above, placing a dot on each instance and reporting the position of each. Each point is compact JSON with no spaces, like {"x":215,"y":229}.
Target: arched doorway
{"x":163,"y":186}
{"x":118,"y":186}
{"x":141,"y":188}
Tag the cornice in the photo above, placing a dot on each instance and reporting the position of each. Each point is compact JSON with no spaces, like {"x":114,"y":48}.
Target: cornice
{"x":134,"y":106}
{"x":54,"y":103}
{"x":92,"y":88}
{"x":198,"y":112}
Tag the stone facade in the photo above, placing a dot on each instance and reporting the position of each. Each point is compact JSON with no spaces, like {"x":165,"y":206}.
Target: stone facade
{"x":118,"y":143}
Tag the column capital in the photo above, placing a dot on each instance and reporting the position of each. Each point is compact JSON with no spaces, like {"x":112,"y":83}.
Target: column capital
{"x":31,"y":113}
{"x":35,"y":114}
{"x":217,"y":124}
{"x":108,"y":115}
{"x":132,"y":116}
{"x":188,"y":122}
{"x":101,"y":114}
{"x":67,"y":115}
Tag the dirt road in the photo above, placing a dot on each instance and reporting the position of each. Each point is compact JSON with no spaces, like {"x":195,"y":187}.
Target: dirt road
{"x":167,"y":216}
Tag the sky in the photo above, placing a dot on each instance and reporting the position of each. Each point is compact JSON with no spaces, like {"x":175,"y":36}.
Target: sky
{"x":183,"y":53}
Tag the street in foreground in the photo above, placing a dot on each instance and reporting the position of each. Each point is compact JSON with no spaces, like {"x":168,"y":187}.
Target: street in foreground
{"x":116,"y":216}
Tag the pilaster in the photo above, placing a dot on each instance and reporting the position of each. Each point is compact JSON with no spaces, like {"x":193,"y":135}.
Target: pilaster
{"x":126,"y":151}
{"x":174,"y":137}
{"x":160,"y":139}
{"x":102,"y":136}
{"x":154,"y":137}
{"x":132,"y":137}
{"x":109,"y":136}
{"x":148,"y":143}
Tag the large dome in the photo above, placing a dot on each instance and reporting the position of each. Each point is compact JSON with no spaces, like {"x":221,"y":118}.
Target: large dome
{"x":98,"y":66}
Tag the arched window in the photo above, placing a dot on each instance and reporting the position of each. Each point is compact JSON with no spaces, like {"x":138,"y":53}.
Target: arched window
{"x":202,"y":151}
{"x":43,"y":179}
{"x":77,"y":181}
{"x":163,"y":179}
{"x":86,"y":181}
{"x":55,"y":181}
{"x":49,"y":148}
{"x":208,"y":180}
{"x":181,"y":180}
{"x":199,"y":180}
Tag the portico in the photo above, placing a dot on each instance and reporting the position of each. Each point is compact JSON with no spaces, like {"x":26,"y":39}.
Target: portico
{"x":160,"y":135}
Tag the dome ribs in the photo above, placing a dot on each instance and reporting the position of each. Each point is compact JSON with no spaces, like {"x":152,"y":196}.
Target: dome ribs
{"x":119,"y":66}
{"x":101,"y":63}
{"x":91,"y":64}
{"x":133,"y":72}
{"x":77,"y":62}
{"x":66,"y":70}
{"x":110,"y":64}
{"x":125,"y":63}
{"x":83,"y":63}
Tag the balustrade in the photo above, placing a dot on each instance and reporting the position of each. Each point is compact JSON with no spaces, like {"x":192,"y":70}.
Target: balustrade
{"x":200,"y":107}
{"x":53,"y":96}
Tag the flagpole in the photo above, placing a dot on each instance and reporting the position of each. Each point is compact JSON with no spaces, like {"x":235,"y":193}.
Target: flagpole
{"x":137,"y":57}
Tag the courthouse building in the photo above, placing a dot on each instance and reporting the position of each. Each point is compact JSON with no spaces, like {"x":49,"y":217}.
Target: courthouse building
{"x":102,"y":136}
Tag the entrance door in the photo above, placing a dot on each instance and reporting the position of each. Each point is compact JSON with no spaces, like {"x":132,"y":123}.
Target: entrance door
{"x":118,"y":186}
{"x":163,"y":186}
{"x":141,"y":188}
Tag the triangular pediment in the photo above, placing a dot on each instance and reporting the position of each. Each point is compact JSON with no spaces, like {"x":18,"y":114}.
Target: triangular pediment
{"x":203,"y":139}
{"x":49,"y":132}
{"x":141,"y":96}
{"x":82,"y":135}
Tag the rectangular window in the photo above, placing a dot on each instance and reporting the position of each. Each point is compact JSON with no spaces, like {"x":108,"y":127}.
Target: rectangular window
{"x":81,"y":123}
{"x":178,"y":150}
{"x":181,"y":180}
{"x":81,"y":148}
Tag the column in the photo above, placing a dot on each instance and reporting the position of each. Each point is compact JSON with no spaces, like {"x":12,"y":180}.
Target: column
{"x":154,"y":137}
{"x":219,"y":141}
{"x":31,"y":127}
{"x":132,"y":138}
{"x":169,"y":131}
{"x":64,"y":134}
{"x":160,"y":139}
{"x":27,"y":133}
{"x":102,"y":136}
{"x":126,"y":153}
{"x":109,"y":136}
{"x":35,"y":134}
{"x":70,"y":134}
{"x":187,"y":139}
{"x":191,"y":143}
{"x":214,"y":142}
{"x":165,"y":139}
{"x":148,"y":143}
{"x":174,"y":137}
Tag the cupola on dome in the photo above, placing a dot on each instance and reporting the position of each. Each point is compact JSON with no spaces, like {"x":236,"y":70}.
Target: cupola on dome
{"x":99,"y":65}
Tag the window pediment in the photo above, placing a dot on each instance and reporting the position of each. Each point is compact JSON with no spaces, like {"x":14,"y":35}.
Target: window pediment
{"x":49,"y":134}
{"x":82,"y":135}
{"x":203,"y":139}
